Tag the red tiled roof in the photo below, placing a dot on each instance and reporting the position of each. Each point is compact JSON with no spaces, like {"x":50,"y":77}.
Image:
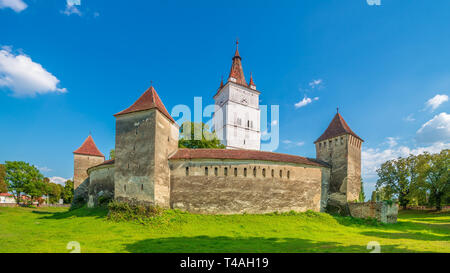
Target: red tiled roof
{"x":251,"y":80}
{"x":243,"y":155}
{"x":148,"y":100}
{"x":104,"y":163}
{"x":236,"y":69}
{"x":6,"y":194}
{"x":337,"y":127}
{"x":88,"y":148}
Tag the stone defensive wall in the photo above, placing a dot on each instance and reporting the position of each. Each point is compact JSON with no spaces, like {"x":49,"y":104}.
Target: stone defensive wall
{"x":233,"y":181}
{"x":382,"y":211}
{"x":101,"y":183}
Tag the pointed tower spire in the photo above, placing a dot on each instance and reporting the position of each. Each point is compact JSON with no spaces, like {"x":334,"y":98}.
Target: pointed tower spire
{"x":148,"y":100}
{"x":88,"y":148}
{"x":236,"y":72}
{"x":337,"y":127}
{"x":252,"y":83}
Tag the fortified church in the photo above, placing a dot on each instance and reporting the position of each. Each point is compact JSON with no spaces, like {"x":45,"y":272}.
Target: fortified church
{"x":149,"y":168}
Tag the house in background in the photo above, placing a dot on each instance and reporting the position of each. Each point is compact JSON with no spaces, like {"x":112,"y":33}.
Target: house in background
{"x":7,"y":198}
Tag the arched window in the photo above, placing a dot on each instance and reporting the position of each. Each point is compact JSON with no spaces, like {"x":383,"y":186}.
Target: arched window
{"x":273,"y":173}
{"x":216,"y":171}
{"x":225,"y":171}
{"x":254,"y":172}
{"x":264,"y":172}
{"x":281,"y":173}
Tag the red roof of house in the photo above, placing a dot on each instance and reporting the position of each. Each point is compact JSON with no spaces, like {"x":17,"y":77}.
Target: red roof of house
{"x":236,"y":69}
{"x":148,"y":100}
{"x":88,"y":148}
{"x":6,"y":194}
{"x":244,"y":155}
{"x":337,"y":127}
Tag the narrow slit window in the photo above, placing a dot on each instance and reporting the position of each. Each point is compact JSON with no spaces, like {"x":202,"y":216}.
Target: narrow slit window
{"x":225,"y":171}
{"x":142,"y":187}
{"x":254,"y":172}
{"x":206,"y":171}
{"x":124,"y":188}
{"x":264,"y":172}
{"x":288,"y":174}
{"x":216,"y":171}
{"x":281,"y":173}
{"x":245,"y":172}
{"x":235,"y":171}
{"x":187,"y":171}
{"x":273,"y":173}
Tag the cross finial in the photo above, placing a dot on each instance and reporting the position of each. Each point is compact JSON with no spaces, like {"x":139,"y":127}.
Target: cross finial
{"x":337,"y":109}
{"x":90,"y":133}
{"x":151,"y":83}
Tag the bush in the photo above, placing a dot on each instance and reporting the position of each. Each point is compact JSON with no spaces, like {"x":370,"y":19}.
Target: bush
{"x":143,"y":214}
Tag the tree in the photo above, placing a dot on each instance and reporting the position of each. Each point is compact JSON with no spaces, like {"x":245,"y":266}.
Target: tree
{"x":54,"y":191}
{"x":374,"y":196}
{"x":362,"y":196}
{"x":20,"y":177}
{"x":434,"y":175}
{"x":3,"y":185}
{"x":112,"y":154}
{"x":395,"y":175}
{"x":68,"y":192}
{"x":197,"y":136}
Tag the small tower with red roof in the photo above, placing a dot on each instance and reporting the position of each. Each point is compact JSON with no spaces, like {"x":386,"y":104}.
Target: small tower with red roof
{"x":146,"y":135}
{"x":340,"y":147}
{"x":88,"y":155}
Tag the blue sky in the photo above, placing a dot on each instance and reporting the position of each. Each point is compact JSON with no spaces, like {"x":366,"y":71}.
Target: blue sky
{"x":65,"y":69}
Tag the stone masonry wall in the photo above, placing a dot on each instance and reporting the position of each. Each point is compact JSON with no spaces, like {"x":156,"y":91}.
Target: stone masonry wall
{"x":381,"y":211}
{"x":101,"y":184}
{"x":232,"y":186}
{"x":81,"y":164}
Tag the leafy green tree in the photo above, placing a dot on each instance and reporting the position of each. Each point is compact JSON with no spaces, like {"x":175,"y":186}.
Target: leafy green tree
{"x":20,"y":177}
{"x":68,"y":192}
{"x":395,"y":175}
{"x":434,"y":175}
{"x":362,"y":195}
{"x":36,"y":187}
{"x":3,"y":185}
{"x":112,"y":154}
{"x":197,"y":136}
{"x":54,"y":191}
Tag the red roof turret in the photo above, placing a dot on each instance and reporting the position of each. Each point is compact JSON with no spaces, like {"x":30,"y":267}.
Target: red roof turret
{"x":337,"y":127}
{"x":236,"y":71}
{"x":148,"y":100}
{"x":88,"y":148}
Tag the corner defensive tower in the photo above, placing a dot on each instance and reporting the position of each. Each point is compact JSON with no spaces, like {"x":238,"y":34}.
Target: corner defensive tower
{"x":146,"y":135}
{"x":340,"y":147}
{"x":85,"y":157}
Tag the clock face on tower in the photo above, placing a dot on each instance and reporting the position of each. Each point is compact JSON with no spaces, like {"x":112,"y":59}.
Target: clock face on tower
{"x":244,"y":100}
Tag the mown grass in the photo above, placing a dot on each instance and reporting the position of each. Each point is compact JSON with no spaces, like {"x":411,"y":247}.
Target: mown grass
{"x":50,"y":230}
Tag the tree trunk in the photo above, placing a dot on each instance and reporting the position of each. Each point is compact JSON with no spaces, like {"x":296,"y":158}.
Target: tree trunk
{"x":438,"y":203}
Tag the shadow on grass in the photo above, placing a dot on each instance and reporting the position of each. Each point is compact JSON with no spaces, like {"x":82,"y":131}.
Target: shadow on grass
{"x":406,"y":235}
{"x":223,"y":244}
{"x":80,"y":212}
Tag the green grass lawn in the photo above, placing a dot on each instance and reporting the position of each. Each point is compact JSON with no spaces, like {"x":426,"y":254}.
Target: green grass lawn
{"x":50,"y":230}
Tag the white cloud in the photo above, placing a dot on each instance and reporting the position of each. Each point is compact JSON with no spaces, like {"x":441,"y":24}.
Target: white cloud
{"x":435,"y":130}
{"x":316,"y":83}
{"x":305,"y":102}
{"x":44,"y":169}
{"x":436,"y":101}
{"x":24,"y":77}
{"x":410,"y":118}
{"x":296,"y":143}
{"x":371,"y":159}
{"x":58,"y":180}
{"x":392,"y":141}
{"x":16,"y":5}
{"x":71,"y":7}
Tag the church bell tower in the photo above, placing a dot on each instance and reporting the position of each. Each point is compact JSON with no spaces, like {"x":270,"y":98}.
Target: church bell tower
{"x":237,"y":114}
